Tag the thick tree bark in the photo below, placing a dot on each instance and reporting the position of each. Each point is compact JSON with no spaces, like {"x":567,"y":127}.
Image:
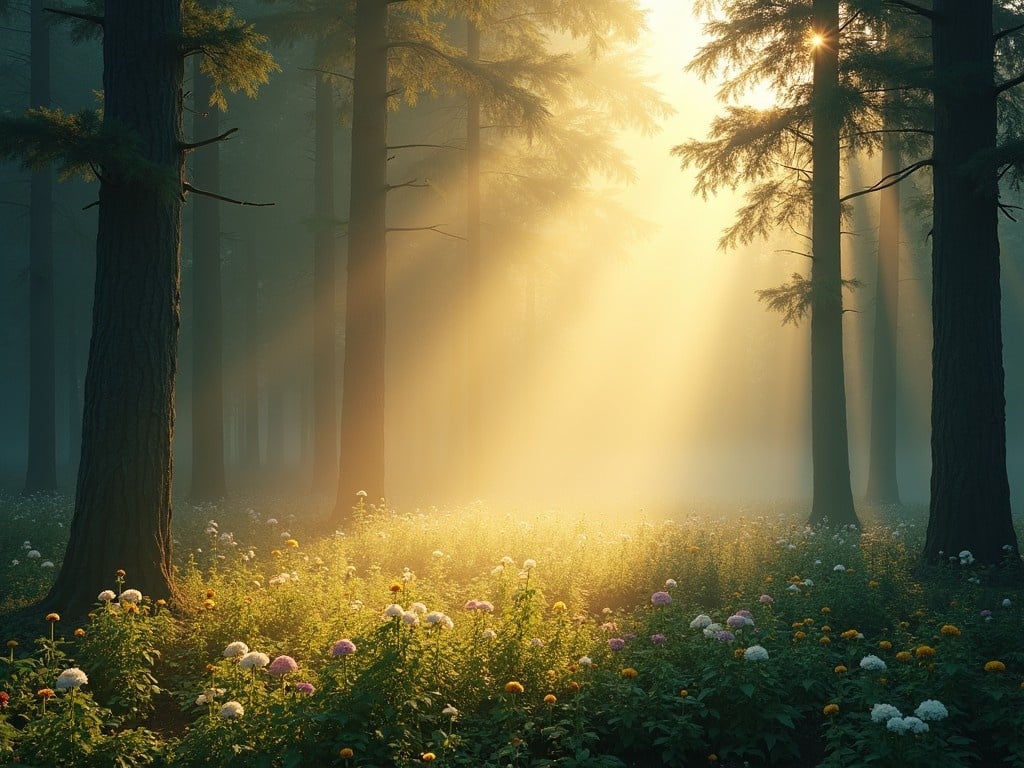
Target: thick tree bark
{"x":832,"y":499}
{"x":325,"y":358}
{"x":883,"y":483}
{"x":970,"y":494}
{"x":41,"y":472}
{"x":208,"y":477}
{"x":122,"y":515}
{"x":361,"y":466}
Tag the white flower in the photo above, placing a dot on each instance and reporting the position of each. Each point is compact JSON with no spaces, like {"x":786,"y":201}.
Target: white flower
{"x":670,"y":583}
{"x":529,"y":565}
{"x":271,"y":521}
{"x":488,"y":634}
{"x":881,"y":713}
{"x":966,"y":558}
{"x":209,"y":695}
{"x":434,"y":617}
{"x":394,"y":611}
{"x":253,"y":659}
{"x":437,"y":554}
{"x":231,"y":710}
{"x":72,"y":677}
{"x":33,"y":554}
{"x":235,"y":649}
{"x":106,"y":596}
{"x":839,"y":567}
{"x":14,"y":562}
{"x":497,"y":570}
{"x":933,"y":710}
{"x":808,"y":583}
{"x":792,"y":588}
{"x":1006,"y":602}
{"x":906,"y":725}
{"x":756,"y":653}
{"x":410,"y":619}
{"x":46,"y":564}
{"x":130,"y":596}
{"x":361,"y":494}
{"x":702,"y":621}
{"x":586,"y":661}
{"x":450,"y":711}
{"x":507,"y":560}
{"x":872,"y":663}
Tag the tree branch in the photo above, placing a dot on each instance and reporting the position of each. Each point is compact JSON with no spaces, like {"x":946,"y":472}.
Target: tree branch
{"x":433,"y":228}
{"x":889,"y":179}
{"x":928,"y":13}
{"x":195,"y":190}
{"x":410,"y":183}
{"x":1006,"y":32}
{"x":428,"y":146}
{"x":75,"y":15}
{"x":1008,"y":84}
{"x":328,"y":72}
{"x":189,"y":146}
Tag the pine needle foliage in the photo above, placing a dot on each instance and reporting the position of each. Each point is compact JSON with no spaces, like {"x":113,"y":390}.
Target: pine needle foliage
{"x":794,"y":299}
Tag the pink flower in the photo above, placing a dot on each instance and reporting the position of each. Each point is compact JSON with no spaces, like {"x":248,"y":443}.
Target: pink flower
{"x":658,"y":638}
{"x":282,"y":665}
{"x":343,"y":647}
{"x":305,"y":688}
{"x":766,"y":599}
{"x":616,"y":643}
{"x":661,"y":598}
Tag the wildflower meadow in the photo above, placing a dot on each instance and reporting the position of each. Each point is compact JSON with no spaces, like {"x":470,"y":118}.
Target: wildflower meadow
{"x":468,"y":637}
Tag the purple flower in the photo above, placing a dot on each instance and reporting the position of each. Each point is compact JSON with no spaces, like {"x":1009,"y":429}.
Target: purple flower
{"x":738,"y":622}
{"x":472,"y":605}
{"x":306,"y":688}
{"x":986,"y":613}
{"x":282,"y":665}
{"x":343,"y":648}
{"x":661,"y":598}
{"x":658,"y":638}
{"x":616,"y":643}
{"x":766,"y":599}
{"x":745,"y":612}
{"x":724,"y":636}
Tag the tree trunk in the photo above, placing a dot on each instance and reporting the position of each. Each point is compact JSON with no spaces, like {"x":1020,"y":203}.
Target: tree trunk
{"x":251,"y":387}
{"x":832,"y":499}
{"x":361,"y":466}
{"x":970,"y":494}
{"x":122,"y":515}
{"x":325,"y":359}
{"x":883,"y":484}
{"x":41,"y":472}
{"x":208,"y":481}
{"x":474,"y":254}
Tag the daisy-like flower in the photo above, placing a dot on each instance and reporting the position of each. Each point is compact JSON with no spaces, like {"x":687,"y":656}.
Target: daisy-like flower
{"x":282,"y":665}
{"x":232,"y":710}
{"x":529,"y":564}
{"x":585,"y":661}
{"x":950,"y":630}
{"x":343,"y":647}
{"x":670,"y":583}
{"x":235,"y":649}
{"x":756,"y":653}
{"x":106,"y":596}
{"x":410,"y":619}
{"x":70,"y":678}
{"x":253,"y":659}
{"x":130,"y":596}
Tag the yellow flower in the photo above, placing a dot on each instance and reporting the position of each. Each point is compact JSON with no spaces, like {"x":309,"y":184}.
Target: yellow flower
{"x":427,"y":757}
{"x":919,"y":613}
{"x":798,"y":635}
{"x":883,"y":681}
{"x":161,"y":603}
{"x":950,"y":630}
{"x":830,"y":709}
{"x":629,"y":672}
{"x":850,"y":634}
{"x":558,"y":607}
{"x":824,"y":640}
{"x":346,"y":753}
{"x":769,"y":580}
{"x":208,"y":604}
{"x":53,"y":617}
{"x":130,"y":608}
{"x":826,"y":609}
{"x":395,"y":587}
{"x":292,"y":543}
{"x":826,"y":628}
{"x":712,"y":758}
{"x":873,"y":584}
{"x":684,"y":693}
{"x":840,"y":669}
{"x":924,"y":651}
{"x":797,"y":624}
{"x":795,"y":580}
{"x":513,"y":686}
{"x":79,"y":632}
{"x":694,"y":550}
{"x":808,"y":622}
{"x":573,"y":685}
{"x":903,"y":656}
{"x":904,"y":624}
{"x":275,"y":553}
{"x":550,"y":699}
{"x":995,"y":666}
{"x":885,"y":645}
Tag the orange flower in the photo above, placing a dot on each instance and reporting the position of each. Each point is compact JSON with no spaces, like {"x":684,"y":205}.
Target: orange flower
{"x":210,"y":593}
{"x":903,"y":656}
{"x":950,"y":630}
{"x":513,"y":686}
{"x":427,"y":757}
{"x":45,"y":693}
{"x":395,"y":587}
{"x":924,"y":651}
{"x":120,"y":573}
{"x":995,"y":666}
{"x":799,"y":635}
{"x":840,"y":669}
{"x":79,"y":632}
{"x":826,"y":628}
{"x":850,"y":634}
{"x":885,"y":645}
{"x":53,"y":617}
{"x":573,"y":685}
{"x":824,"y":640}
{"x":629,"y":672}
{"x":830,"y":709}
{"x":550,"y":699}
{"x":346,"y":753}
